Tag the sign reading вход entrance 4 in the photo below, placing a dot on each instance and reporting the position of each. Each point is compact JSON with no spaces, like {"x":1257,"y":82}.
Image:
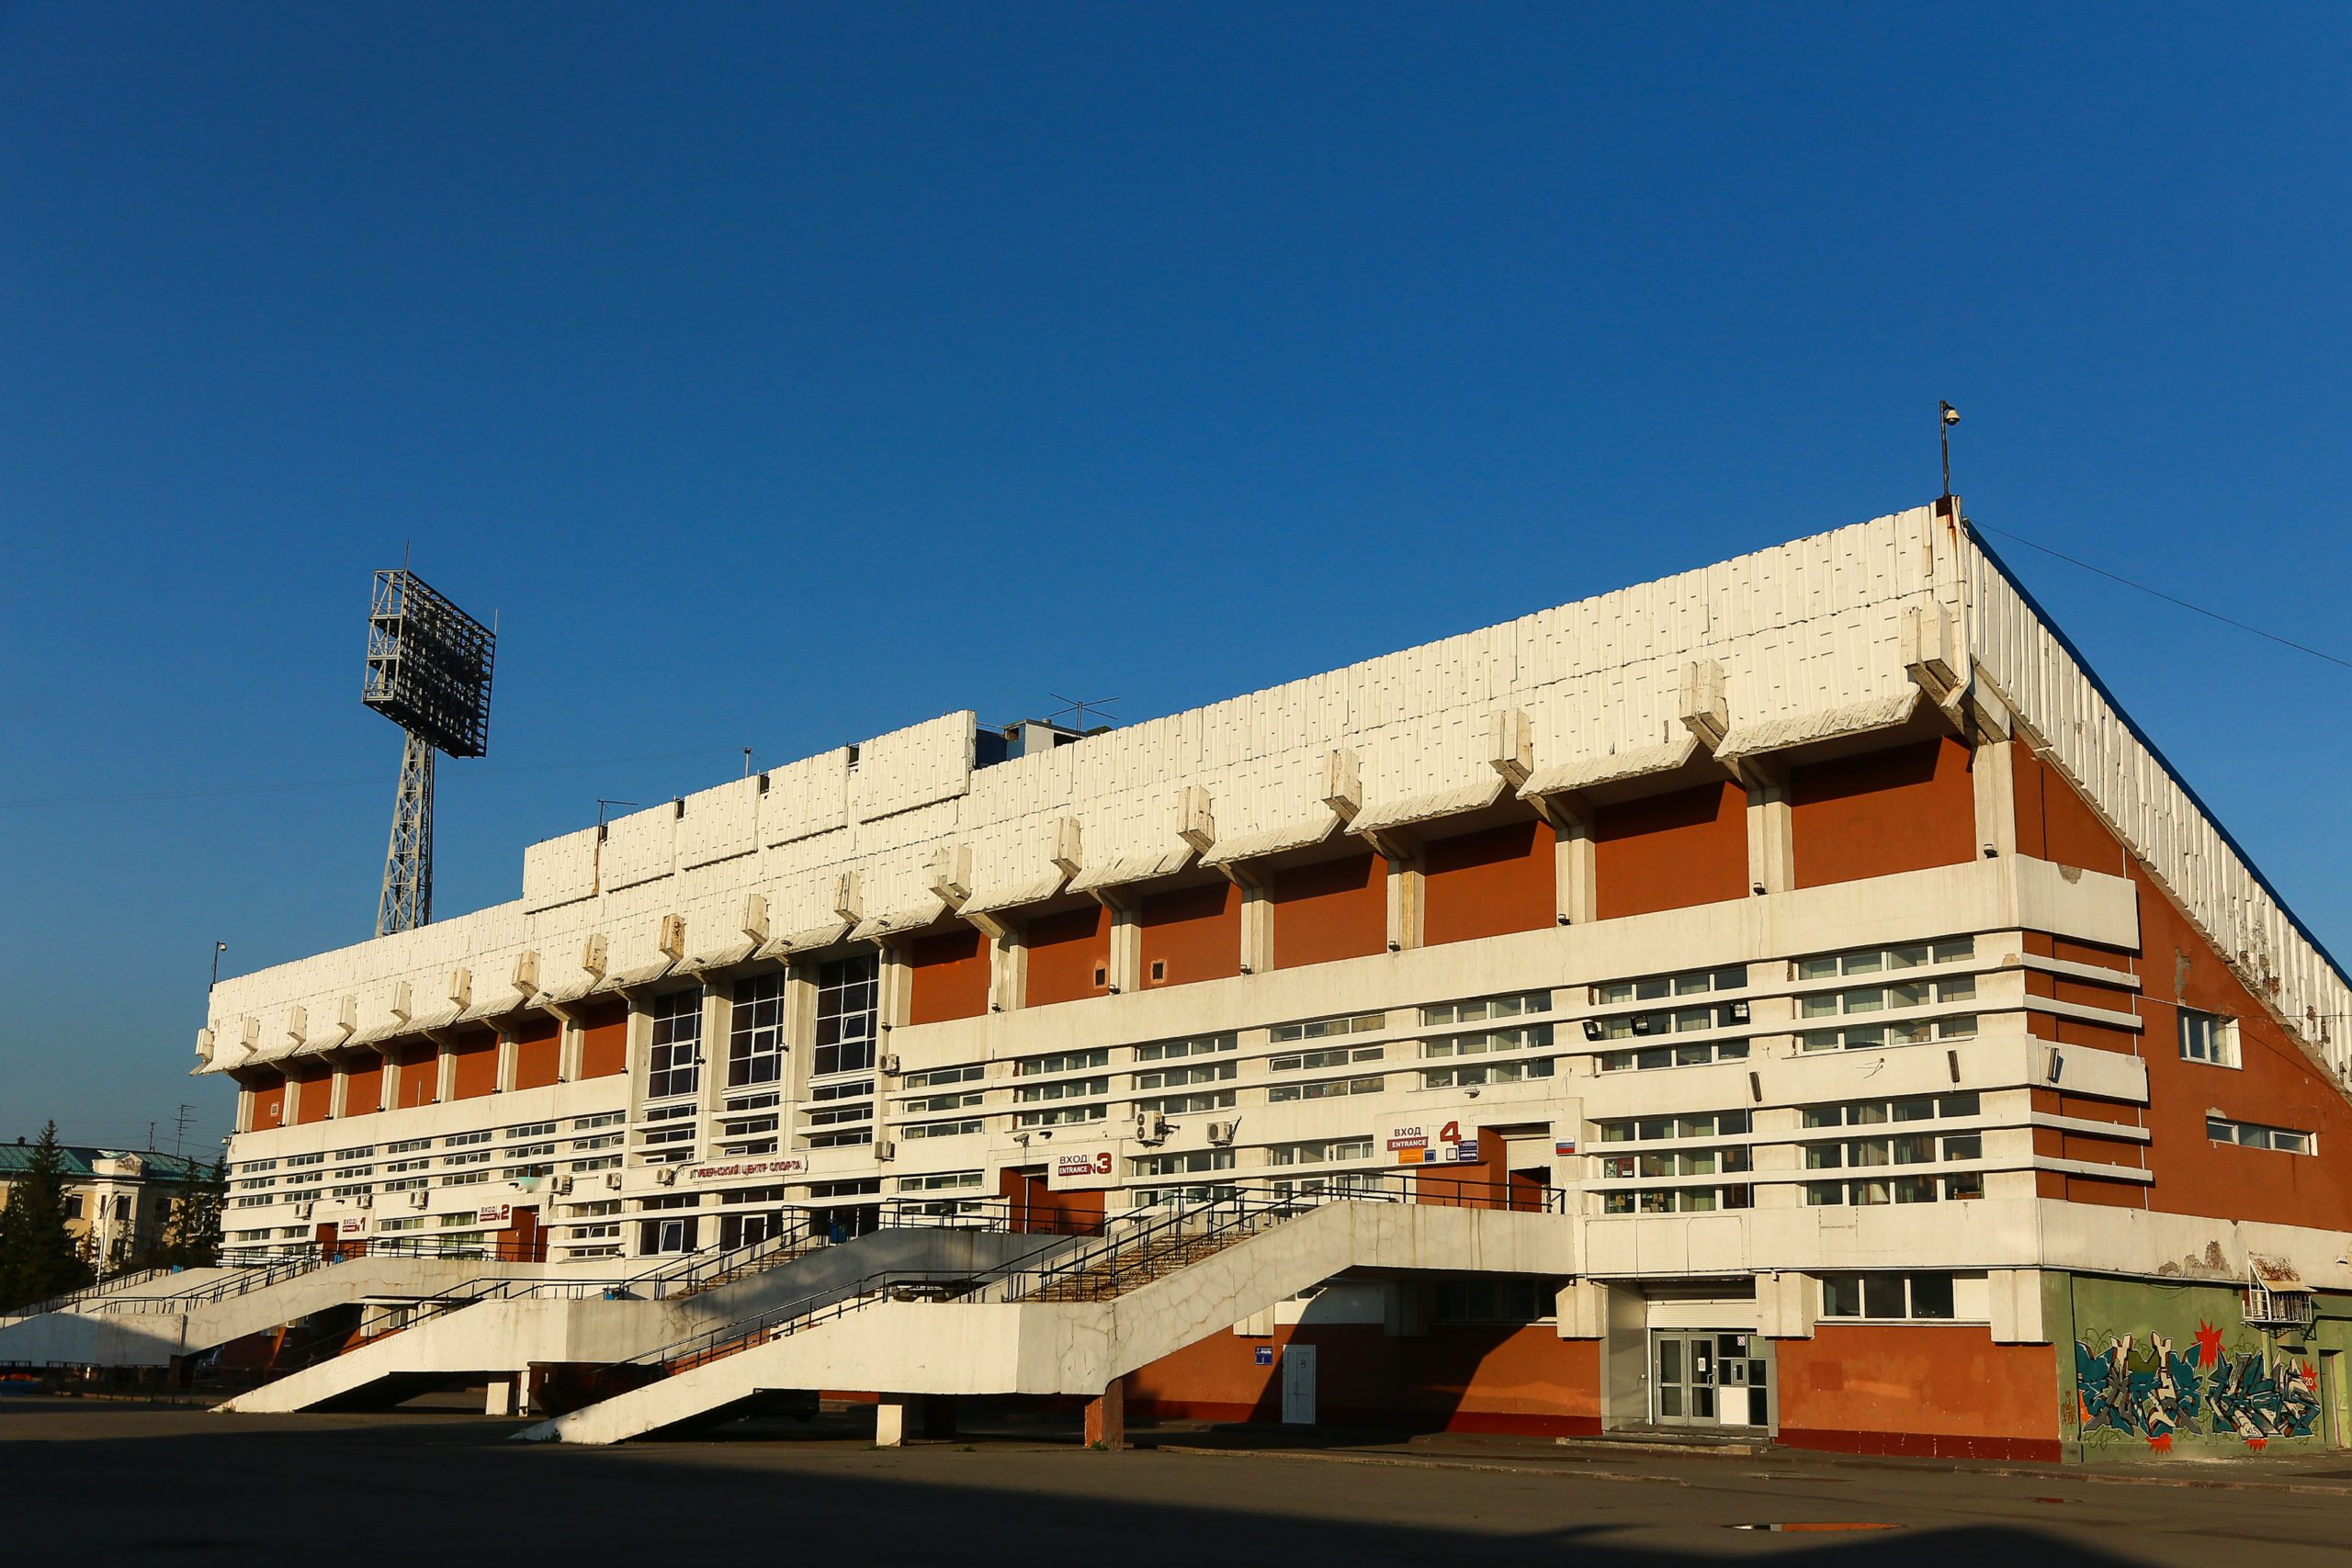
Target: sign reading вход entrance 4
{"x":1428,"y":1141}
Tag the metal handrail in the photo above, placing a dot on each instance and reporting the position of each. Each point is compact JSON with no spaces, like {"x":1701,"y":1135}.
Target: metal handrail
{"x":1232,"y":1209}
{"x":255,"y":1273}
{"x":96,"y":1288}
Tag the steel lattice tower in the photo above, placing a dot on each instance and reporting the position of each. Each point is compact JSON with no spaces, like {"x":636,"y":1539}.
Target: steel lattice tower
{"x":428,"y":671}
{"x":406,"y":902}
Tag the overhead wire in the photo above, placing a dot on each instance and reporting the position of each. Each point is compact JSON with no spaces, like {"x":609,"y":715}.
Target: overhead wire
{"x":2168,"y":598}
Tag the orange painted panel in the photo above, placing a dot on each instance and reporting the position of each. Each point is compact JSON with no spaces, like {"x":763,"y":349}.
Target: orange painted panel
{"x":2274,"y":1085}
{"x":363,"y":1087}
{"x":477,"y":1071}
{"x":1670,"y":852}
{"x":1192,"y":933}
{"x":603,"y":1040}
{"x":1916,"y":1381}
{"x":2052,"y":822}
{"x":1065,"y":949}
{"x":317,"y":1096}
{"x":1485,"y":884}
{"x":1903,"y":808}
{"x":538,"y":1053}
{"x":1457,"y":1377}
{"x":1333,"y":908}
{"x":416,"y":1075}
{"x":268,"y":1090}
{"x":949,"y":977}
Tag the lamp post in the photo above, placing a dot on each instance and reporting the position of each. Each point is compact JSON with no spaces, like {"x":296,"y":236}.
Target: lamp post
{"x":217,"y":949}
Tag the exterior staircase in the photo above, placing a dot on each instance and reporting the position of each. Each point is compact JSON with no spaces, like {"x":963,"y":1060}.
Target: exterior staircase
{"x":1067,"y":1320}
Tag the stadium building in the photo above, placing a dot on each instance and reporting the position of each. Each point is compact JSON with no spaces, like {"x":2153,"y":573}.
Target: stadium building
{"x":1789,"y":998}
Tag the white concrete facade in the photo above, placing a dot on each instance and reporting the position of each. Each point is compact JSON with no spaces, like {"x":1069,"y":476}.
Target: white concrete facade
{"x":1902,"y":625}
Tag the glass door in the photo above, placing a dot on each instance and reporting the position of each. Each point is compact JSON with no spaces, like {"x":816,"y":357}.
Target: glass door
{"x":1682,"y":1377}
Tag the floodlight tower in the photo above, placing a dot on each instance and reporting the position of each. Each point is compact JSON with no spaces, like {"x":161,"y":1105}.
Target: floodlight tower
{"x":428,"y":671}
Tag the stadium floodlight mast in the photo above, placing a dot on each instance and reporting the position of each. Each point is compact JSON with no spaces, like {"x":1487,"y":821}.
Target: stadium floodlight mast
{"x":428,"y":671}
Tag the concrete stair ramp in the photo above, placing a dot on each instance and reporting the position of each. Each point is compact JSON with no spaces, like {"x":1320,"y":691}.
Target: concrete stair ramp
{"x":511,"y":1328}
{"x":1018,"y":1343}
{"x":151,"y":1331}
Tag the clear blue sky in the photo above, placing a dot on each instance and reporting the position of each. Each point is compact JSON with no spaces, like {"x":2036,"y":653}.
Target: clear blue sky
{"x":780,"y":375}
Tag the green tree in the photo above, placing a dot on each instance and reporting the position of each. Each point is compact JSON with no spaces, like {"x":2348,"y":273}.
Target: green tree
{"x":37,"y":1258}
{"x":192,"y":1238}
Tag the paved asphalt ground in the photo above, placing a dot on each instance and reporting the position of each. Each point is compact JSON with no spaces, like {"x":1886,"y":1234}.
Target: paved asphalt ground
{"x":97,"y":1482}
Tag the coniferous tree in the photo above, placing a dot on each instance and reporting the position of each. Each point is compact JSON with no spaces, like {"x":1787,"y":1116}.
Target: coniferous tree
{"x":192,"y":1238}
{"x":37,"y":1258}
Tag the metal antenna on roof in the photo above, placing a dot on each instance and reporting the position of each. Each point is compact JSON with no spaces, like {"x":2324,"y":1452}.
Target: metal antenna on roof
{"x":1077,"y":709}
{"x":1946,"y":417}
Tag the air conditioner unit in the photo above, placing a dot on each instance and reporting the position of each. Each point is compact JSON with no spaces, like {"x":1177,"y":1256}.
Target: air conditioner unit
{"x":673,"y":936}
{"x":667,"y":1176}
{"x":563,"y":1184}
{"x":890,"y":1064}
{"x":419,"y":1199}
{"x":302,"y":1211}
{"x":364,"y":1200}
{"x":885,"y":1149}
{"x":1220,"y":1132}
{"x":613,"y":1180}
{"x":1592,"y":1029}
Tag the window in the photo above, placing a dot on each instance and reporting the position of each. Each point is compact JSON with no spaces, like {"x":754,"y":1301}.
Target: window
{"x":1689,"y":983}
{"x":1661,"y":1129}
{"x":940,"y":1181}
{"x":1923,"y":1297}
{"x":1487,"y":1007}
{"x":1875,"y":1036}
{"x":1677,"y":1021}
{"x":674,"y":1065}
{"x":1487,"y":1072}
{"x":938,"y":1076}
{"x":1490,"y":1298}
{"x":1062,"y":1062}
{"x":1881,"y":960}
{"x":1199,"y":1072}
{"x":1655,"y":1056}
{"x":941,"y":1129}
{"x":1676,"y":1200}
{"x":2209,"y":1037}
{"x":848,"y":992}
{"x":531,"y":1129}
{"x":1185,"y":1164}
{"x":755,"y":1033}
{"x":1334,"y":1088}
{"x":1321,"y":1151}
{"x":1327,"y":1028}
{"x":1172,"y":1050}
{"x":1486,"y":1042}
{"x":2254,"y":1136}
{"x":932,"y":1105}
{"x":1330,"y":1056}
{"x":465,"y":1140}
{"x":408,"y":1146}
{"x":292,"y":1161}
{"x":601,"y":1119}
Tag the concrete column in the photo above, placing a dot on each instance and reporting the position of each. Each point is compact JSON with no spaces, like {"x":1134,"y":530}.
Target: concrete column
{"x":445,"y":1073}
{"x":1127,"y":949}
{"x":1994,"y":773}
{"x":1404,"y":902}
{"x":1008,"y":970}
{"x":1256,"y":930}
{"x":339,"y":1094}
{"x":1576,"y":872}
{"x":1771,"y":840}
{"x":897,"y":1416}
{"x":569,"y":1045}
{"x":1106,"y":1417}
{"x":507,"y":1052}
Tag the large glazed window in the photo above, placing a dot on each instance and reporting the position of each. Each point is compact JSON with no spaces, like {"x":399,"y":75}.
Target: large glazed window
{"x":673,"y":1068}
{"x":848,"y":992}
{"x":755,"y":1033}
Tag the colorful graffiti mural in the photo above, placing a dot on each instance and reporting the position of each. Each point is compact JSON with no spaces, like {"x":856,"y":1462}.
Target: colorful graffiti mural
{"x":2146,"y":1388}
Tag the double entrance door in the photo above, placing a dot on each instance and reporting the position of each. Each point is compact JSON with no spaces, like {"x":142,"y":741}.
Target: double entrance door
{"x":1708,"y":1377}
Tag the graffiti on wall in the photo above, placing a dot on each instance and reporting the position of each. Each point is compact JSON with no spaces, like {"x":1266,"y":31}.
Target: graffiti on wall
{"x":2146,"y":1386}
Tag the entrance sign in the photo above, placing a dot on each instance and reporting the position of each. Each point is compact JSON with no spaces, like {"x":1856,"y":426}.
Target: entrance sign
{"x":1428,"y":1140}
{"x":1092,"y":1169}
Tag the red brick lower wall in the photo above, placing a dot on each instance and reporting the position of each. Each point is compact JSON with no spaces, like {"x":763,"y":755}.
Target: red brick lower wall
{"x":1933,"y":1390}
{"x":1467,"y":1378}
